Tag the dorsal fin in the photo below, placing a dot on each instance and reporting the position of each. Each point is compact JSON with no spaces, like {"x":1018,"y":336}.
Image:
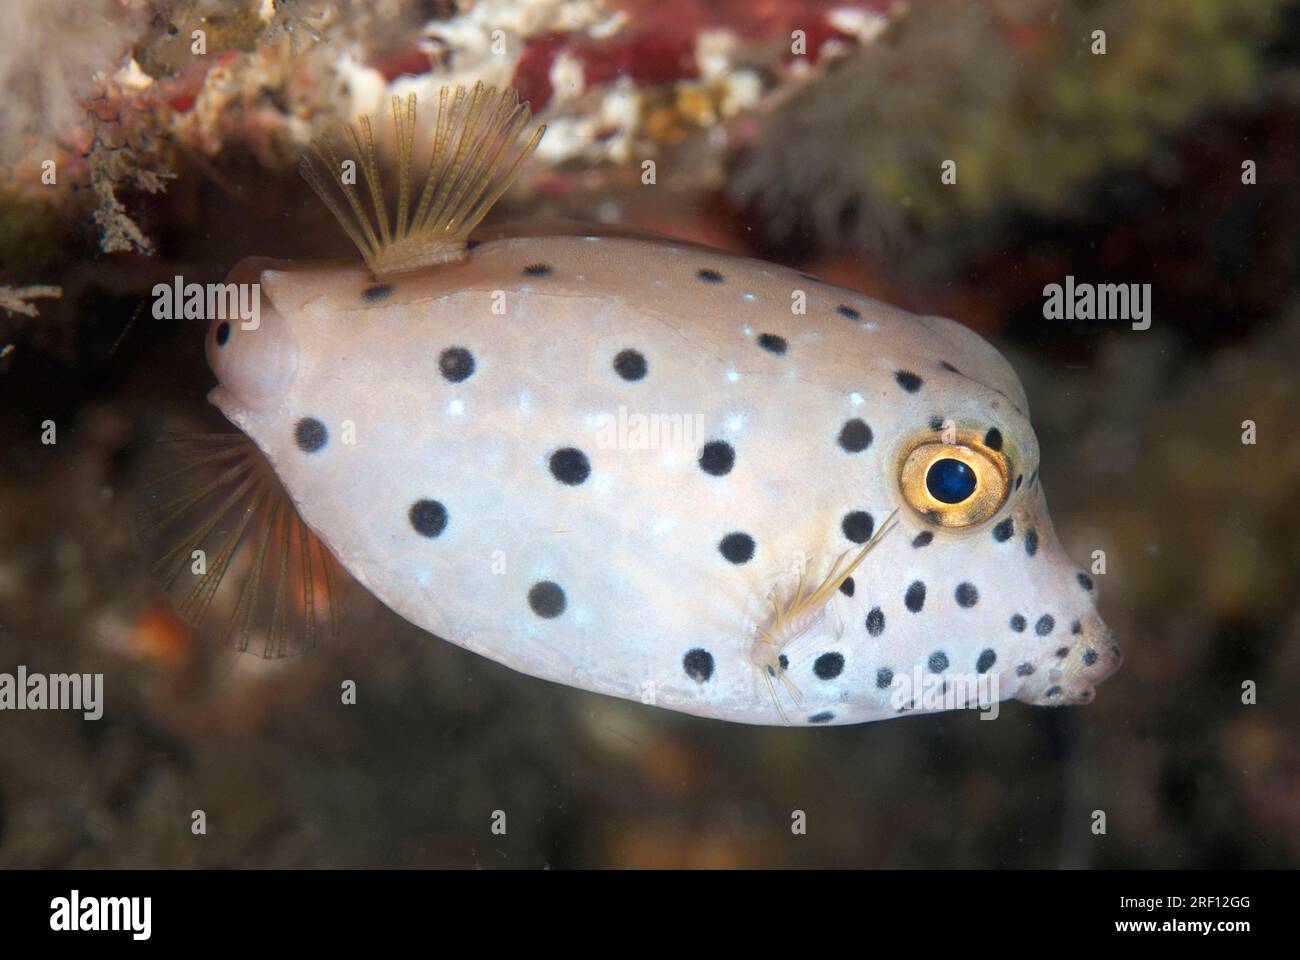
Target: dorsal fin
{"x":478,"y":142}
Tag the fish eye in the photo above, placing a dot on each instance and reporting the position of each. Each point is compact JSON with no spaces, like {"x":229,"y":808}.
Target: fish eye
{"x":223,"y":333}
{"x":950,"y":481}
{"x":954,"y":484}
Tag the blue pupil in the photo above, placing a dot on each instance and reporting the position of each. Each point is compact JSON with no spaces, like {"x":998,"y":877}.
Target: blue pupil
{"x":950,"y":481}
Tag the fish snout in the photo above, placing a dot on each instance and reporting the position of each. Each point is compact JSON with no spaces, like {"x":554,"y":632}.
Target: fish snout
{"x":1069,"y":672}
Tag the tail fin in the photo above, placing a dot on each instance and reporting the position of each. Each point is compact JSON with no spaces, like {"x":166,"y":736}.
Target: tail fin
{"x":230,"y":549}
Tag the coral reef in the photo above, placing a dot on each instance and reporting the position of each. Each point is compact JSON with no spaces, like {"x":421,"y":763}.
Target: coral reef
{"x":114,"y":103}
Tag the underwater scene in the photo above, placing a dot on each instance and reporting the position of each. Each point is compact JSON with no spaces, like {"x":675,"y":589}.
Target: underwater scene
{"x":524,"y":434}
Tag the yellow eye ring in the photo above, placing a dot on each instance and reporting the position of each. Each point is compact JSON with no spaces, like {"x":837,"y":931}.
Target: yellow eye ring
{"x":954,"y":485}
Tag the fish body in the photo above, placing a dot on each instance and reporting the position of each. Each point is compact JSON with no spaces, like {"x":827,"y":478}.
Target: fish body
{"x":600,"y":460}
{"x":629,"y":465}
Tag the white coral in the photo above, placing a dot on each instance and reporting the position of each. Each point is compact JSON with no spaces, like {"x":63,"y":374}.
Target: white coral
{"x":18,"y":299}
{"x":50,"y":54}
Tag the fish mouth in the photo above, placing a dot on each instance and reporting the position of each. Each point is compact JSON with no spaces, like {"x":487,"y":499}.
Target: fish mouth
{"x":1070,"y":672}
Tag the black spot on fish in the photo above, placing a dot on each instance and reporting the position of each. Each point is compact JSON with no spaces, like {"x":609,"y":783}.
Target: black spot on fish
{"x":1085,"y":581}
{"x":538,"y":270}
{"x":914,"y":598}
{"x":310,"y":435}
{"x":844,"y":310}
{"x":630,"y":365}
{"x":709,"y":276}
{"x":223,"y":333}
{"x":829,"y":666}
{"x":949,"y":367}
{"x":1003,"y":531}
{"x":857,"y":526}
{"x":923,"y":539}
{"x":456,"y":364}
{"x":908,"y":380}
{"x":698,"y":664}
{"x":855,"y":436}
{"x":428,"y":517}
{"x":937,"y":662}
{"x":547,"y":599}
{"x":737,"y":547}
{"x":993,"y":439}
{"x":966,"y":594}
{"x":570,"y":466}
{"x":772,"y":343}
{"x":986,"y":660}
{"x":717,"y":458}
{"x":1045,"y":625}
{"x":847,"y":587}
{"x":1031,"y":541}
{"x":1018,"y":623}
{"x":825,"y":716}
{"x":876,"y":622}
{"x":884,"y":677}
{"x":377,"y":293}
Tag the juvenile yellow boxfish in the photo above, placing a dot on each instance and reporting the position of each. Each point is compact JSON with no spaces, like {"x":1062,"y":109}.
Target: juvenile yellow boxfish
{"x":633,"y":466}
